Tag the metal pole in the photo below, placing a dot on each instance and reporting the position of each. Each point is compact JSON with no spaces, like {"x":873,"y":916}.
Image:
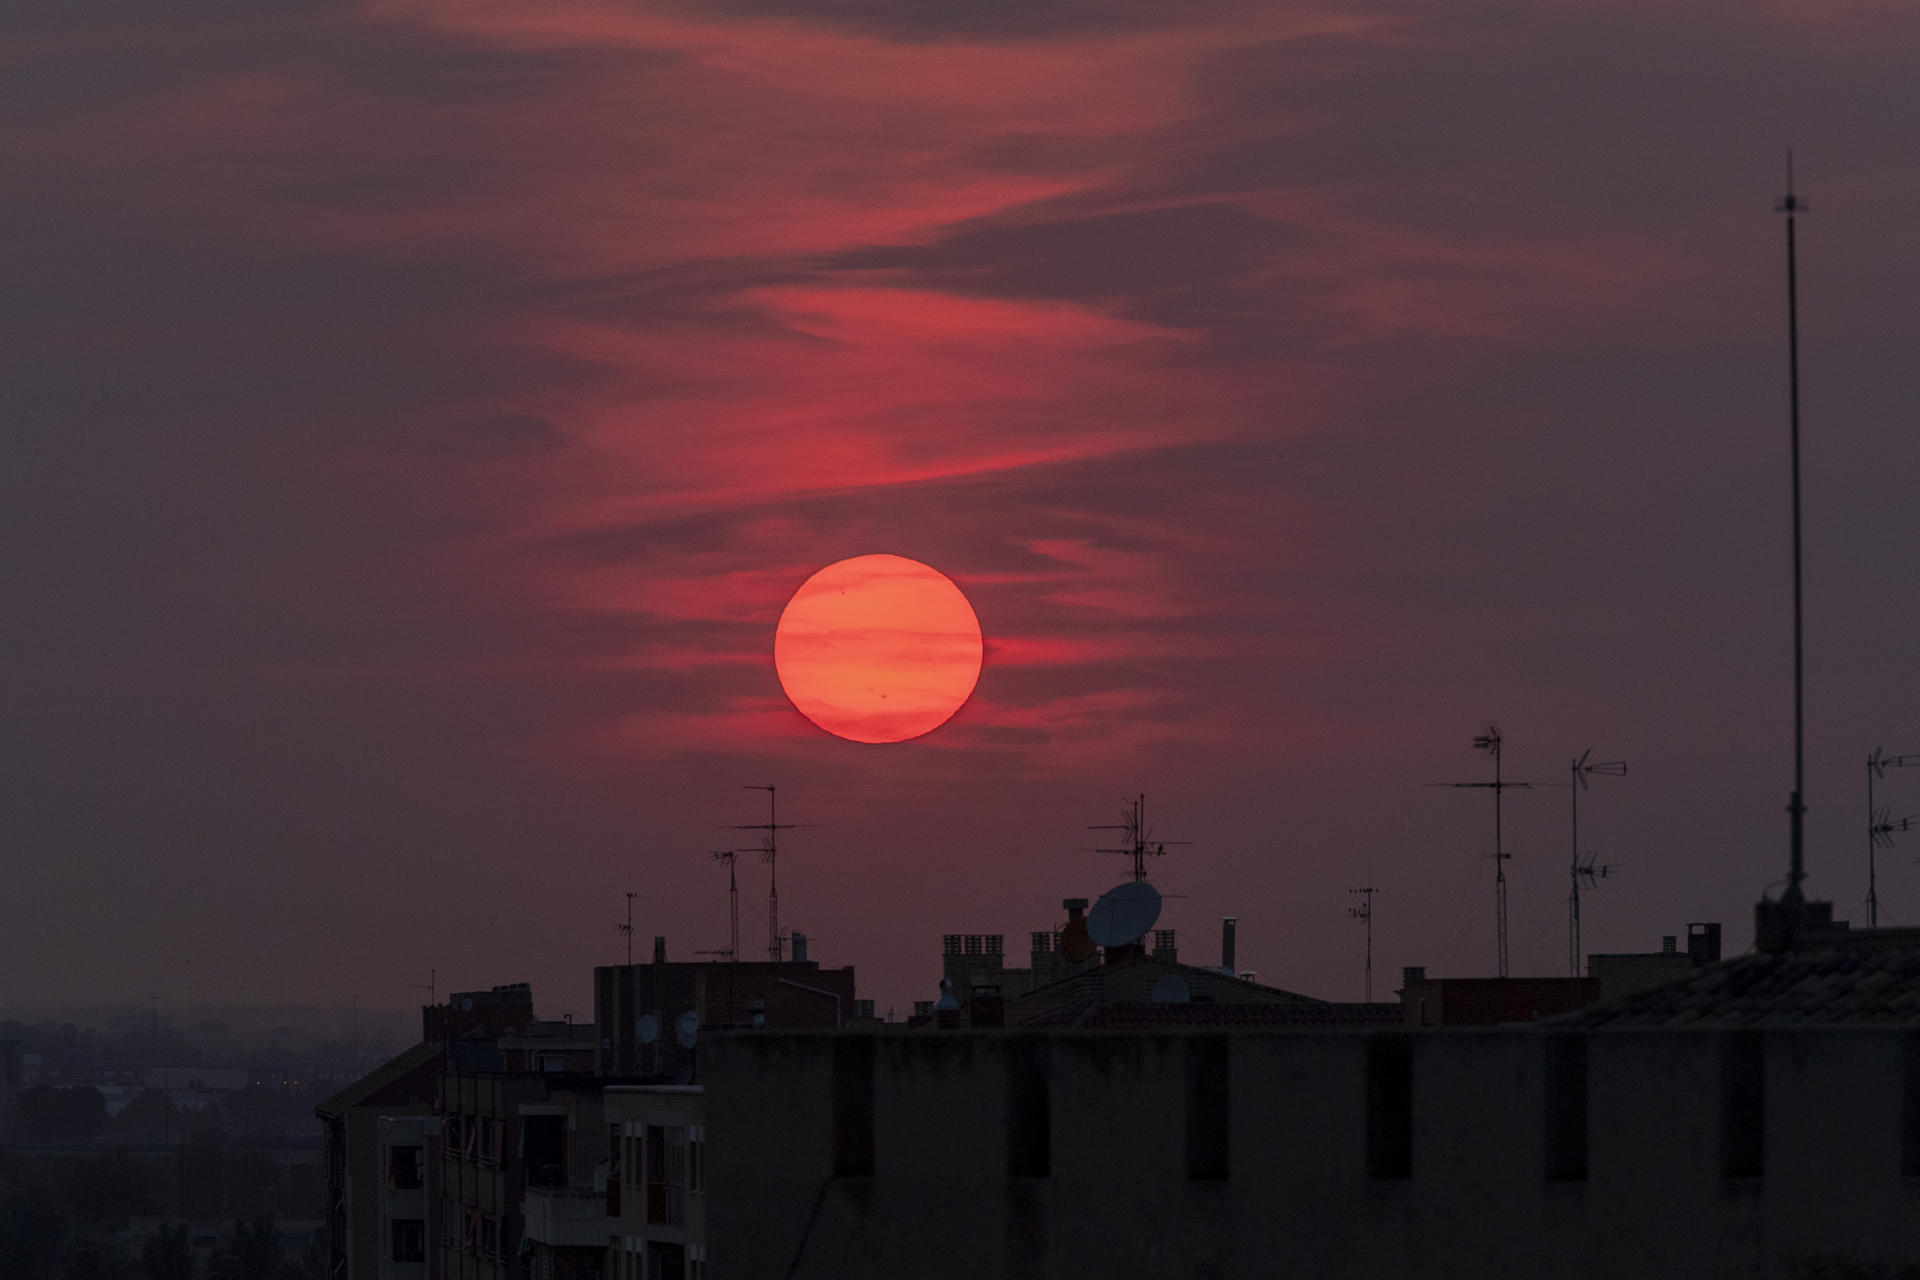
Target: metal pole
{"x":1796,"y":807}
{"x":1873,"y":896}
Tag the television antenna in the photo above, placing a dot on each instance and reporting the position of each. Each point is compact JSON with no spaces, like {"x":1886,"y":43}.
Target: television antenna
{"x":770,"y":853}
{"x":430,"y":986}
{"x":627,"y":928}
{"x":1138,"y":838}
{"x":1490,"y":742}
{"x":732,"y":952}
{"x":1364,"y":913}
{"x":1879,"y":830}
{"x":1582,"y":869}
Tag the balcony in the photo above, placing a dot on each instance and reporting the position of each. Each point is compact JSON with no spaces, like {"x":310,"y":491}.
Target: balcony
{"x":567,"y":1217}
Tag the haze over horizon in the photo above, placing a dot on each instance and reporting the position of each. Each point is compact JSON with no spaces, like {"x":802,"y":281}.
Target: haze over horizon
{"x":420,"y":412}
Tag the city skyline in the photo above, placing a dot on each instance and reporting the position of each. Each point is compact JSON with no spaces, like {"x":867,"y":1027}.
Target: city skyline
{"x":423,"y":412}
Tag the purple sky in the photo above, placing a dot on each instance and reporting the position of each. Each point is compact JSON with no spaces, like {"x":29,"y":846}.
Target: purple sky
{"x":417,"y":417}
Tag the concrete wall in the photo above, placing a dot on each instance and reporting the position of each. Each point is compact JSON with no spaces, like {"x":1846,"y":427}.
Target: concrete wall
{"x":1127,"y":1115}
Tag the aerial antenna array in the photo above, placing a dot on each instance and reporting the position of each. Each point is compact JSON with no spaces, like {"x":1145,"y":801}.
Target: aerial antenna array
{"x":1490,"y":741}
{"x":1881,"y":826}
{"x":733,"y":906}
{"x":1584,"y":868}
{"x":1138,"y":840}
{"x":1364,"y":913}
{"x":770,"y":854}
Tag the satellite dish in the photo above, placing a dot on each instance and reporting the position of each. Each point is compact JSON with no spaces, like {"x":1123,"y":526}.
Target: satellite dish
{"x":1124,"y":914}
{"x":648,"y":1028}
{"x":686,"y":1028}
{"x":466,"y":1004}
{"x":1171,"y":989}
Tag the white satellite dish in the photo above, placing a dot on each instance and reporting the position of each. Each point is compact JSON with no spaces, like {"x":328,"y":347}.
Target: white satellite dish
{"x":1124,"y":914}
{"x":686,"y":1028}
{"x":1171,"y":989}
{"x":648,"y":1028}
{"x":466,"y":1004}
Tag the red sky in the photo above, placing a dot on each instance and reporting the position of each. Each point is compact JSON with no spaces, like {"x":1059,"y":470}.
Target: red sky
{"x":419,"y":414}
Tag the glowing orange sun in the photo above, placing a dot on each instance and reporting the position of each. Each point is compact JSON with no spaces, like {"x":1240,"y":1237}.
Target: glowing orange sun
{"x":878,"y":649}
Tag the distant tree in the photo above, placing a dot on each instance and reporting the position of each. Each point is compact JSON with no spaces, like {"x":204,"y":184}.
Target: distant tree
{"x":47,"y":1114}
{"x":253,"y":1253}
{"x":150,"y":1112}
{"x":108,"y":1189}
{"x":169,"y":1255}
{"x":35,"y":1231}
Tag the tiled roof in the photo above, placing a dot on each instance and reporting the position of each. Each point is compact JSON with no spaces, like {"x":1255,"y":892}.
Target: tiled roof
{"x":1863,"y":980}
{"x":1117,"y":995}
{"x":1230,"y":1017}
{"x":397,"y":1070}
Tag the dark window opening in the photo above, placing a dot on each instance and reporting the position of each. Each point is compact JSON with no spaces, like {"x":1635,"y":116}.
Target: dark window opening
{"x":1029,"y":1118}
{"x":1743,"y":1104}
{"x":409,"y":1240}
{"x":543,"y":1149}
{"x":1566,"y":1098}
{"x":1390,"y":1105}
{"x":1910,"y":1109}
{"x":852,"y":1107}
{"x":403,"y":1168}
{"x":1207,"y":1108}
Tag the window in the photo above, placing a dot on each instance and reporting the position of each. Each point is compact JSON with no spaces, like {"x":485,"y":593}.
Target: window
{"x":489,"y":1243}
{"x":853,"y":1107}
{"x":403,"y":1168}
{"x":1743,"y":1104}
{"x":1910,"y":1108}
{"x":694,"y":1149}
{"x":1390,"y":1105}
{"x":1565,"y":1080}
{"x":666,"y":1164}
{"x":1207,"y":1108}
{"x":409,"y":1240}
{"x":1029,"y":1121}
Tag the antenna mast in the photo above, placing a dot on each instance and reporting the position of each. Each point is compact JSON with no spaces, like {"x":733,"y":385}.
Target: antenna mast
{"x":1880,"y":828}
{"x":770,"y":848}
{"x":627,"y":928}
{"x":1364,"y":912}
{"x":1138,"y":839}
{"x":733,"y":904}
{"x":1792,"y":900}
{"x":1582,"y":869}
{"x":1490,"y":741}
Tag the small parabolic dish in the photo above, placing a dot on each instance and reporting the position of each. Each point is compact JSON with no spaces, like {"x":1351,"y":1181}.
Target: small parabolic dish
{"x":648,"y":1028}
{"x":686,"y":1028}
{"x":1124,"y":914}
{"x":1171,"y":989}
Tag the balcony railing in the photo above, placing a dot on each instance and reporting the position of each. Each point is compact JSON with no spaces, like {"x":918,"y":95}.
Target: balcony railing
{"x":566,"y":1217}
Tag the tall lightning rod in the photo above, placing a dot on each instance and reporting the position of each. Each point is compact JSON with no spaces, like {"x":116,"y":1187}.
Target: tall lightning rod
{"x":1582,"y":868}
{"x":1879,"y":829}
{"x":1490,"y":742}
{"x":770,"y":850}
{"x":1364,"y":913}
{"x":1793,"y":900}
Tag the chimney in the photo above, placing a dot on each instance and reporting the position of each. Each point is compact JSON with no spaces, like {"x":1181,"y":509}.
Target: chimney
{"x":799,"y":947}
{"x":1703,"y":942}
{"x":1669,"y":944}
{"x":659,"y":949}
{"x":1227,"y":925}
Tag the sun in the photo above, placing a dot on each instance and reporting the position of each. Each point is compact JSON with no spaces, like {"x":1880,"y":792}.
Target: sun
{"x":878,"y":649}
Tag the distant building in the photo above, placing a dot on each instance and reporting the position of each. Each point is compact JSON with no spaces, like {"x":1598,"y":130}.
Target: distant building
{"x":646,"y":1012}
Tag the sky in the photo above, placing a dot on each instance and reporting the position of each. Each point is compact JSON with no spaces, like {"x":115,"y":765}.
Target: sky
{"x":418,"y":413}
